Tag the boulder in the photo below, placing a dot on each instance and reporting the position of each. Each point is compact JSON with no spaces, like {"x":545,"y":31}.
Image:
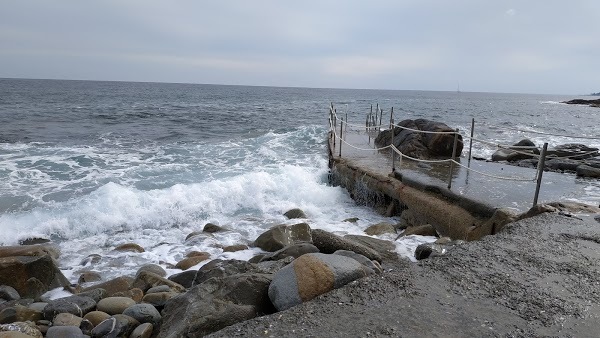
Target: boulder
{"x":64,"y":332}
{"x":561,"y":164}
{"x":185,"y":278}
{"x":115,"y":326}
{"x":9,"y":293}
{"x":385,"y":248}
{"x":295,"y":213}
{"x":421,"y":230}
{"x":435,"y":249}
{"x":25,"y":313}
{"x":114,"y":305}
{"x":130,"y":247}
{"x":160,"y":288}
{"x":77,"y":305}
{"x":215,"y":304}
{"x":30,"y":275}
{"x":37,"y":250}
{"x":89,"y":276}
{"x":234,"y":248}
{"x":587,"y":171}
{"x":515,"y":152}
{"x":212,"y":228}
{"x":283,"y":235}
{"x":66,"y":319}
{"x":294,"y":250}
{"x":222,"y":268}
{"x":112,"y":286}
{"x":142,"y":331}
{"x":144,"y":313}
{"x":421,"y":145}
{"x":188,"y":262}
{"x":95,"y":294}
{"x":134,"y":293}
{"x":374,"y":266}
{"x":159,"y":299}
{"x":573,"y":151}
{"x":91,"y":260}
{"x":311,"y":275}
{"x":145,"y":280}
{"x":96,"y":317}
{"x":154,"y":268}
{"x":380,"y":229}
{"x":329,"y":243}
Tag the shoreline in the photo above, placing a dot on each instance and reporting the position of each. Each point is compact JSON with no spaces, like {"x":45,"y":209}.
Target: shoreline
{"x":536,"y":277}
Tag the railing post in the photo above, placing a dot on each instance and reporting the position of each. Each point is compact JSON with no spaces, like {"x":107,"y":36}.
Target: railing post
{"x":471,"y":142}
{"x":367,"y":128}
{"x":392,"y":148}
{"x":334,"y":126}
{"x":341,"y":135}
{"x":453,"y":158}
{"x":391,"y":117}
{"x":541,"y":164}
{"x":380,"y":118}
{"x":346,"y":120}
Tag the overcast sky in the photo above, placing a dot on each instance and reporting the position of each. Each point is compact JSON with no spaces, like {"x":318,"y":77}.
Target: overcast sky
{"x":529,"y":46}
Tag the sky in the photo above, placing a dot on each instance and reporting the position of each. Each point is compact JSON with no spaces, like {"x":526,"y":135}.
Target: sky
{"x":520,"y":46}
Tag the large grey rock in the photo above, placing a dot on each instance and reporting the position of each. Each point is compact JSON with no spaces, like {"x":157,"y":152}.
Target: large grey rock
{"x":516,"y":153}
{"x":294,"y":213}
{"x":216,"y":303}
{"x":573,"y":151}
{"x":587,"y":171}
{"x":222,"y":268}
{"x":76,"y":305}
{"x":115,"y":326}
{"x":64,"y":332}
{"x":119,"y":284}
{"x":146,"y":280}
{"x":380,"y":229}
{"x":329,"y":243}
{"x":9,"y":293}
{"x":421,"y":145}
{"x":144,"y":313}
{"x":142,"y":331}
{"x":311,"y":275}
{"x":283,"y":235}
{"x":154,"y":268}
{"x":66,"y":319}
{"x":370,"y":266}
{"x":185,"y":278}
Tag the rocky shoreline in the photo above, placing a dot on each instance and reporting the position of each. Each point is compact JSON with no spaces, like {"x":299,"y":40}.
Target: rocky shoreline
{"x":592,"y":103}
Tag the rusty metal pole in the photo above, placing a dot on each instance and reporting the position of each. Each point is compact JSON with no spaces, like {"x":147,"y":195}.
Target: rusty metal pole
{"x":341,"y":135}
{"x":541,"y":164}
{"x":471,"y":142}
{"x":453,"y":158}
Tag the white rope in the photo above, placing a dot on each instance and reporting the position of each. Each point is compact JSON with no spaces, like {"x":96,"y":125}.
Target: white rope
{"x":417,"y":159}
{"x":494,"y":176}
{"x":550,"y":134}
{"x":424,"y":131}
{"x":355,"y":147}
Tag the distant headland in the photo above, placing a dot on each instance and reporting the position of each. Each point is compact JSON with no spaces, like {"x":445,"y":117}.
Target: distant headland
{"x":595,"y":94}
{"x":591,"y":103}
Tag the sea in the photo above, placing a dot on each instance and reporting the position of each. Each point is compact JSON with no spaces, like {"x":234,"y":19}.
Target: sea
{"x":91,"y":165}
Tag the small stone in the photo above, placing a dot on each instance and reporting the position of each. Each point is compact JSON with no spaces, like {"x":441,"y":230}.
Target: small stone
{"x":142,"y":331}
{"x":115,"y":326}
{"x":192,"y":234}
{"x":33,"y":241}
{"x":187,"y":263}
{"x":91,"y":259}
{"x":212,"y":228}
{"x":135,"y":293}
{"x":130,"y":247}
{"x":113,"y":286}
{"x":86,"y":327}
{"x":25,"y":313}
{"x":380,"y":229}
{"x":95,"y":294}
{"x":96,"y":317}
{"x":8,"y":293}
{"x":8,"y":315}
{"x":146,"y":280}
{"x":234,"y":248}
{"x":114,"y":305}
{"x":351,"y":220}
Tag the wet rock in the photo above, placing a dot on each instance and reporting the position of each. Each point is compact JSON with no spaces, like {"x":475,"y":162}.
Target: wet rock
{"x":185,"y":278}
{"x":25,"y":314}
{"x":112,"y":286}
{"x":216,"y":303}
{"x":234,"y":248}
{"x":282,"y":235}
{"x":144,"y":313}
{"x":380,"y":229}
{"x":515,"y":153}
{"x":34,"y":241}
{"x":86,"y":327}
{"x":91,"y":260}
{"x":159,"y":299}
{"x":76,"y":305}
{"x":421,"y":230}
{"x":134,"y":293}
{"x":329,"y":243}
{"x":212,"y":228}
{"x":587,"y":171}
{"x":96,"y":317}
{"x":66,"y":319}
{"x":64,"y":332}
{"x":380,"y":245}
{"x":8,"y":293}
{"x":575,"y":207}
{"x":573,"y":151}
{"x":13,"y":334}
{"x":188,"y":262}
{"x":192,"y":234}
{"x":561,"y":165}
{"x":89,"y":276}
{"x":115,"y":326}
{"x":222,"y":268}
{"x":8,"y":315}
{"x":22,"y":327}
{"x":142,"y":331}
{"x":295,"y":213}
{"x":146,"y":280}
{"x":351,"y":220}
{"x":37,"y":250}
{"x":160,"y":288}
{"x":130,"y":247}
{"x":114,"y":305}
{"x":95,"y":294}
{"x":312,"y":275}
{"x":294,"y":250}
{"x":154,"y":268}
{"x":28,"y":274}
{"x":271,"y":267}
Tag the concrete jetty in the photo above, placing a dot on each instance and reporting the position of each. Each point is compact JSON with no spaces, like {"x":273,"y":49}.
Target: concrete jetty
{"x":475,"y":206}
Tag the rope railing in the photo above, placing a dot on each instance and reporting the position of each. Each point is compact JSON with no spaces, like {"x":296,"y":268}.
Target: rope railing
{"x":373,"y":123}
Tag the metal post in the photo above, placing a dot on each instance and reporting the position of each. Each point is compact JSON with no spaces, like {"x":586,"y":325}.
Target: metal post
{"x":453,"y":158}
{"x":367,"y":127}
{"x":393,"y":151}
{"x":471,"y":142}
{"x":334,"y":126}
{"x":541,"y":164}
{"x":341,"y":131}
{"x":346,"y":121}
{"x":380,"y":118}
{"x":391,"y":117}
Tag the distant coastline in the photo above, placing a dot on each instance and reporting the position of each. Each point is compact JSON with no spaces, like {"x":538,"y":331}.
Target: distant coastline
{"x":595,"y":94}
{"x":591,"y":103}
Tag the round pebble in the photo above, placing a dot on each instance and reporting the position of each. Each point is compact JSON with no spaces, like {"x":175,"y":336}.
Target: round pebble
{"x":114,"y":305}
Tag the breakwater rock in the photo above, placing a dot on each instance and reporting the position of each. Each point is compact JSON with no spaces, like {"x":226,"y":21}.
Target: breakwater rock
{"x":419,"y":144}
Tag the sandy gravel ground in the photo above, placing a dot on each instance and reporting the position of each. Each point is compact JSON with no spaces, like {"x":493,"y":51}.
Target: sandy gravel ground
{"x":539,"y":277}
